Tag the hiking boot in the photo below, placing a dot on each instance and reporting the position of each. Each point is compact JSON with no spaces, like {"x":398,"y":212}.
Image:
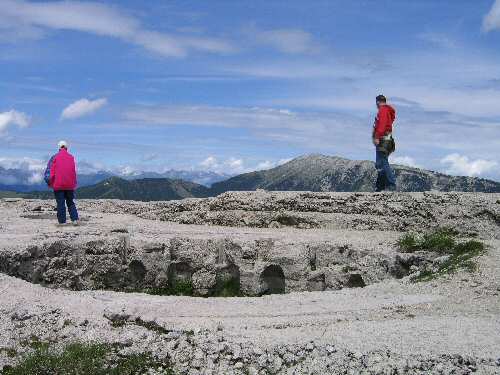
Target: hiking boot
{"x":75,"y":223}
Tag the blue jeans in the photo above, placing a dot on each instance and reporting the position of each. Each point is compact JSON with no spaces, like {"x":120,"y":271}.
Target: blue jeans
{"x":65,"y":197}
{"x":385,"y":175}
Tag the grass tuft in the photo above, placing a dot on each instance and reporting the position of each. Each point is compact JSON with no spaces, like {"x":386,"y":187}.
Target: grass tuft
{"x":409,"y":243}
{"x":460,"y":254}
{"x":152,"y":326}
{"x":81,"y":358}
{"x":11,"y":352}
{"x":441,"y":240}
{"x":180,"y":288}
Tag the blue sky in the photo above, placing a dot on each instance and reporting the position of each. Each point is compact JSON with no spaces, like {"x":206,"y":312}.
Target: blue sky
{"x":233,"y":86}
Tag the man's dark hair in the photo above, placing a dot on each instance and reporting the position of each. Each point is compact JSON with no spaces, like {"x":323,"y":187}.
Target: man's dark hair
{"x":381,"y":99}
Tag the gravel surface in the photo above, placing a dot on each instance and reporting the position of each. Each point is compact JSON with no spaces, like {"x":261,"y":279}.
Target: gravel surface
{"x":447,"y":326}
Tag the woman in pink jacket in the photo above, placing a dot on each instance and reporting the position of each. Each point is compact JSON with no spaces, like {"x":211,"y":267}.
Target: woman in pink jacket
{"x":60,"y":175}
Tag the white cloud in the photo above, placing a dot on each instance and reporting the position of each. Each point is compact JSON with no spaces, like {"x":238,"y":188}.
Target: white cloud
{"x":405,"y":160}
{"x":82,"y":108}
{"x":127,"y":170}
{"x":32,"y":19}
{"x":492,"y":20}
{"x":25,"y":163}
{"x":150,"y":157}
{"x":291,"y":41}
{"x":209,"y":163}
{"x":21,"y":171}
{"x":264,"y":119}
{"x":234,"y":165}
{"x":438,"y":39}
{"x":267,"y":164}
{"x":298,"y":69}
{"x":229,"y":166}
{"x":462,"y":165}
{"x":11,"y":118}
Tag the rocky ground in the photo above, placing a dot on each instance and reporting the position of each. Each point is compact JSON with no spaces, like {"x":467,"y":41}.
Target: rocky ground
{"x":350,"y":305}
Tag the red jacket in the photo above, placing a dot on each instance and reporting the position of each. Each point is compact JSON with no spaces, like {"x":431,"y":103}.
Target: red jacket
{"x":63,"y":171}
{"x":384,"y":120}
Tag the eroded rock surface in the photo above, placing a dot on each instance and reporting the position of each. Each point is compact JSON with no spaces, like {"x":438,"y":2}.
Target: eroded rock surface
{"x":349,"y":306}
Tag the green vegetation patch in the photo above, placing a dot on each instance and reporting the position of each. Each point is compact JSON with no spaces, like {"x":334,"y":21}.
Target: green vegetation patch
{"x":228,"y":288}
{"x":441,"y":240}
{"x":180,"y":288}
{"x":11,"y":352}
{"x":82,"y":358}
{"x":35,"y":343}
{"x":460,"y":254}
{"x":152,"y":326}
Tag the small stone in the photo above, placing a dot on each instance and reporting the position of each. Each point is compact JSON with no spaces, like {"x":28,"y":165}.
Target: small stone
{"x":239,"y":365}
{"x":154,"y":247}
{"x":262,"y":361}
{"x":357,"y":355}
{"x":289,"y":358}
{"x":198,"y":354}
{"x":236,"y":353}
{"x":442,"y":259}
{"x":258,"y":351}
{"x":310,"y":347}
{"x":331,"y":349}
{"x":274,"y":224}
{"x":21,"y":315}
{"x":277,"y":364}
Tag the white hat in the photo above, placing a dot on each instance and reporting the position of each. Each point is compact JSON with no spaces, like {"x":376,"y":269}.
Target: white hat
{"x":62,"y":144}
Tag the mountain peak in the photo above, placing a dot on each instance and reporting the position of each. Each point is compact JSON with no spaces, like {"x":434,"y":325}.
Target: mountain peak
{"x":317,"y":172}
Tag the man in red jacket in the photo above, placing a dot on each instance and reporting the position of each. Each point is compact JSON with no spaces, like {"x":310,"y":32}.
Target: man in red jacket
{"x":60,"y":175}
{"x":384,"y":144}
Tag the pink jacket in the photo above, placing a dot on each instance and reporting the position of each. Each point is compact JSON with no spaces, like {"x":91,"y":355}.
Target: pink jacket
{"x":63,"y":171}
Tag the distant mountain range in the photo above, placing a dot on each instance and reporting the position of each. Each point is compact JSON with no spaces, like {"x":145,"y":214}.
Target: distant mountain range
{"x":329,"y":173}
{"x":147,"y":189}
{"x":205,"y":178}
{"x":22,"y":180}
{"x":307,"y":173}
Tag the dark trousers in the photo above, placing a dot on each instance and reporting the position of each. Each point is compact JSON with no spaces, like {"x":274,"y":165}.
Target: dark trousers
{"x":63,"y":198}
{"x":386,"y":179}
